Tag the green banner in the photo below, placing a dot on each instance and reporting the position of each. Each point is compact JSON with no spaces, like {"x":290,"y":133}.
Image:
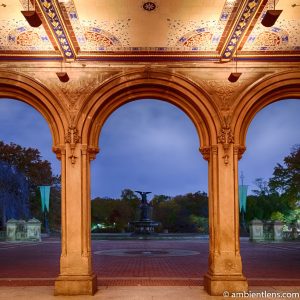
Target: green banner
{"x":243,"y":197}
{"x":45,"y":197}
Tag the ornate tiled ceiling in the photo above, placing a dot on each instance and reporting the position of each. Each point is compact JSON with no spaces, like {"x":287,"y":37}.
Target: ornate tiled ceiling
{"x":140,"y":29}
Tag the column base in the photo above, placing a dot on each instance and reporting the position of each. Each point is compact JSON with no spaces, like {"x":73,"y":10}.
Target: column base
{"x":216,"y":285}
{"x":75,"y":285}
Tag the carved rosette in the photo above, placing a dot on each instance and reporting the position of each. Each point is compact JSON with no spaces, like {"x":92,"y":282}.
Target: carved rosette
{"x":72,"y":137}
{"x":226,"y":138}
{"x":229,"y":265}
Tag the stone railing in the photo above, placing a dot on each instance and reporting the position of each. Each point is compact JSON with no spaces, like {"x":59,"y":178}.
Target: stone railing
{"x":2,"y":235}
{"x":20,"y":230}
{"x":272,"y":231}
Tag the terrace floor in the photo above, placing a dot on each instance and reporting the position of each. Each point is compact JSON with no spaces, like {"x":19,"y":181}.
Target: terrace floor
{"x":141,"y":264}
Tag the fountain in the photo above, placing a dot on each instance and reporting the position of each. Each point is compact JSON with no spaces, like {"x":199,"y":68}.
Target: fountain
{"x":145,"y":225}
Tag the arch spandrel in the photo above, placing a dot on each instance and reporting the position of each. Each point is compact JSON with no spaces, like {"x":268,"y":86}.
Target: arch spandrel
{"x":165,"y":86}
{"x":270,"y":89}
{"x":24,"y":88}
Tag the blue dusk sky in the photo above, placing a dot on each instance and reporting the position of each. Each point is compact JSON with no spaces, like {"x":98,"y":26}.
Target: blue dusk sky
{"x":152,"y":145}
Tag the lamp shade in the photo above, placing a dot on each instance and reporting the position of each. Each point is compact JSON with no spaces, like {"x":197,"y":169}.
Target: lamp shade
{"x":32,"y":17}
{"x":63,"y":76}
{"x":270,"y":17}
{"x":233,"y":77}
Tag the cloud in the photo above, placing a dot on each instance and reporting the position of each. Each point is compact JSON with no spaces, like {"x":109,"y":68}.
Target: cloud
{"x":23,"y":125}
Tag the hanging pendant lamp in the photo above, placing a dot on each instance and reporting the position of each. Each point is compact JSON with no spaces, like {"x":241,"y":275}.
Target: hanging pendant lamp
{"x":31,"y":17}
{"x":271,"y":17}
{"x":62,"y":76}
{"x":234,"y":76}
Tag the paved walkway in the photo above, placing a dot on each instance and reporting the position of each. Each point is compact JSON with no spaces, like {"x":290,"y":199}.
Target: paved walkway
{"x":148,"y":262}
{"x":146,"y":293}
{"x":150,"y":270}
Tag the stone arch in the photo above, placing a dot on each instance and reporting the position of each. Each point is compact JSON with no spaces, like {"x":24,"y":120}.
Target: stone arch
{"x":21,"y":87}
{"x":169,"y":87}
{"x":270,"y":89}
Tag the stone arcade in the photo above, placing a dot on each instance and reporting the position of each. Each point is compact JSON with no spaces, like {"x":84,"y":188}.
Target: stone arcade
{"x":178,"y":53}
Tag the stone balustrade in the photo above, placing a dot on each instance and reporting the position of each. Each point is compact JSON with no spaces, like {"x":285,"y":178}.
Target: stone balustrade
{"x":20,"y":230}
{"x":273,"y":231}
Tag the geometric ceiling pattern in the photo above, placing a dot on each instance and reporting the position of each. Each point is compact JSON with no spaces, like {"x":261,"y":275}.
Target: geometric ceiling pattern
{"x":148,"y":30}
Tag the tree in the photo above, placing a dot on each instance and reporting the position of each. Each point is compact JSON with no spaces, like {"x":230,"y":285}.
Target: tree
{"x":14,"y":194}
{"x":182,"y":213}
{"x":29,"y":162}
{"x":286,"y":178}
{"x":277,"y":198}
{"x":262,"y":187}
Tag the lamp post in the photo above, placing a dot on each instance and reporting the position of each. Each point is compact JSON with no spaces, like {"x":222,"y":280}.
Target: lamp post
{"x":45,"y":197}
{"x":243,"y":201}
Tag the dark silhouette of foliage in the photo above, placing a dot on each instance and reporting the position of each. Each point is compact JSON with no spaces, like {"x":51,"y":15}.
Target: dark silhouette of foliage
{"x":36,"y":172}
{"x":280,"y":195}
{"x":174,"y":214}
{"x":14,"y":194}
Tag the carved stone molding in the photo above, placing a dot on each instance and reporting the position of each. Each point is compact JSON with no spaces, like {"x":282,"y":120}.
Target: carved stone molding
{"x":93,"y":151}
{"x":226,"y":138}
{"x":239,"y":151}
{"x":80,"y":85}
{"x":229,"y":265}
{"x":72,"y":137}
{"x":214,"y":149}
{"x":208,"y":151}
{"x":205,"y":151}
{"x":225,"y":92}
{"x":59,"y":151}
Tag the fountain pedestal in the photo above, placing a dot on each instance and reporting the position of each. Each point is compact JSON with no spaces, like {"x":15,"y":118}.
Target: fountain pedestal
{"x":145,"y":226}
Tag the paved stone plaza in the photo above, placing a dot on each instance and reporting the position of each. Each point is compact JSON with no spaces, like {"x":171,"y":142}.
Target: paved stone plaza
{"x":149,"y":262}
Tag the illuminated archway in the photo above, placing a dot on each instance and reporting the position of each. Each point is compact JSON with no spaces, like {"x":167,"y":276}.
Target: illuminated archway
{"x":285,"y":85}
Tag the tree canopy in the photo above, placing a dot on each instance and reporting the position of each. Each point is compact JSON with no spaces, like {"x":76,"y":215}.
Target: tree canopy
{"x":278,"y":198}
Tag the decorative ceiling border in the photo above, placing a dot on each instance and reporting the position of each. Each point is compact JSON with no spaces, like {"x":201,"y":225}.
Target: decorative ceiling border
{"x":259,"y":14}
{"x":129,"y":56}
{"x":55,"y":21}
{"x":247,"y":12}
{"x":68,"y":17}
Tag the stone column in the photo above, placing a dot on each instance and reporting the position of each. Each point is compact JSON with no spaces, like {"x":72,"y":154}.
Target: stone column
{"x":225,"y":265}
{"x":11,"y":229}
{"x":33,"y":230}
{"x":277,"y":228}
{"x":256,"y":230}
{"x":76,"y":276}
